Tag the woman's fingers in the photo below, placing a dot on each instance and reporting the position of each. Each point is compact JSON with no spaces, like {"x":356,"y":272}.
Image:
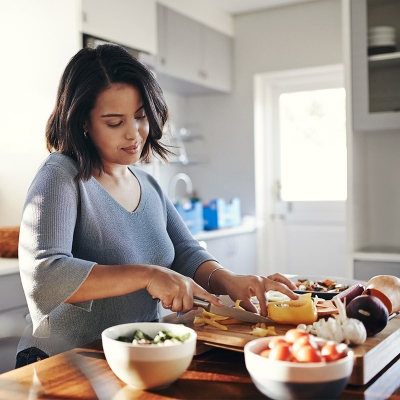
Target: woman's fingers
{"x":283,"y":279}
{"x":280,"y":287}
{"x":183,"y":301}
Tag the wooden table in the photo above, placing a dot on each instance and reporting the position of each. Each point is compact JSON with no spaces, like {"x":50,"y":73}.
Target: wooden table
{"x":83,"y":373}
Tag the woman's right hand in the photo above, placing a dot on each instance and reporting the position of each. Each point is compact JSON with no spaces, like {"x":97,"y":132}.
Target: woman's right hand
{"x":176,"y":291}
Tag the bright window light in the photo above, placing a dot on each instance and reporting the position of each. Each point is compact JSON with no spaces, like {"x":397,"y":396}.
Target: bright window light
{"x":312,"y":134}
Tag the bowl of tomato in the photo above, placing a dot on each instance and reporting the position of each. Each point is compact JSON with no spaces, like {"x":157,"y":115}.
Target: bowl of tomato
{"x":298,"y":365}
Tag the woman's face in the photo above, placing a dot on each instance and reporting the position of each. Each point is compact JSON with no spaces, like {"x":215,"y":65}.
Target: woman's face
{"x":118,"y":126}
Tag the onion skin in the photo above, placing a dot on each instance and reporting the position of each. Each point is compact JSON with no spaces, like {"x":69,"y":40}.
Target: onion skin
{"x":351,"y":293}
{"x":371,"y":311}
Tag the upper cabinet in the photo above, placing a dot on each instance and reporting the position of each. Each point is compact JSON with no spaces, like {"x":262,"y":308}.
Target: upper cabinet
{"x":375,"y":78}
{"x":192,"y":58}
{"x":128,"y":22}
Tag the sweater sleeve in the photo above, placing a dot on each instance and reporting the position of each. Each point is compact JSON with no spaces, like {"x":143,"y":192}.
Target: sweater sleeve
{"x":189,"y":255}
{"x":49,"y":272}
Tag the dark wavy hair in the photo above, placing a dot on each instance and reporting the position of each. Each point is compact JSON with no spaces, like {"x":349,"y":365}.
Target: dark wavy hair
{"x":87,"y":74}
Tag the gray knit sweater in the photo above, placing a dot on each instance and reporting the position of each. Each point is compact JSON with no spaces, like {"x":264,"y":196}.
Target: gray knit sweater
{"x":67,"y":227}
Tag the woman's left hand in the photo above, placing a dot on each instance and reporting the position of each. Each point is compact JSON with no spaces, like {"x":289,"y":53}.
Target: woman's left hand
{"x":244,"y":287}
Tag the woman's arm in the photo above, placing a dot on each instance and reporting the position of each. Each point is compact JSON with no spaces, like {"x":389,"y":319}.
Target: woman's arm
{"x":174,"y":290}
{"x":211,"y":276}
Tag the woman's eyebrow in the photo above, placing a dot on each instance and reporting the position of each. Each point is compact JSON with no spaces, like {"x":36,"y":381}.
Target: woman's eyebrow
{"x":119,"y":115}
{"x":111,"y":115}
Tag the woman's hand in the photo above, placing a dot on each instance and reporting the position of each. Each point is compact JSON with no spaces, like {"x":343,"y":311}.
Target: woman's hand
{"x":176,"y":291}
{"x":243,"y":287}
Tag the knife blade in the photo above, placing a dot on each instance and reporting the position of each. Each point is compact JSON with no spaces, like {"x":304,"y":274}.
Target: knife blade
{"x":231,"y":312}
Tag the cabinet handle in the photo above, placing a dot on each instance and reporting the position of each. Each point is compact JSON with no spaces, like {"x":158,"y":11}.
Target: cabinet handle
{"x":163,"y":61}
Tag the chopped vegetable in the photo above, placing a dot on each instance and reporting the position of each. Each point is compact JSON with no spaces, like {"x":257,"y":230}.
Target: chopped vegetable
{"x":327,"y":285}
{"x":163,"y":337}
{"x":237,"y":305}
{"x":218,"y":321}
{"x":263,"y":330}
{"x":301,"y":311}
{"x":209,"y":321}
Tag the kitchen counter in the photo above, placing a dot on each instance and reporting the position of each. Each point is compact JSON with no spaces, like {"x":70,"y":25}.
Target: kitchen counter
{"x":248,"y":225}
{"x":8,"y":266}
{"x":216,"y":374}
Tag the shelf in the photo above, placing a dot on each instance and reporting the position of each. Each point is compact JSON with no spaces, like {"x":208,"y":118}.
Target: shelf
{"x":378,"y":253}
{"x":384,"y":60}
{"x":249,"y":225}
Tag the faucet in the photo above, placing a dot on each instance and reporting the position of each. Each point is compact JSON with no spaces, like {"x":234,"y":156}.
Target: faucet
{"x":172,"y":185}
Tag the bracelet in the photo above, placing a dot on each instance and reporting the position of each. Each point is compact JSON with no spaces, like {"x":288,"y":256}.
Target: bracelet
{"x":209,"y":278}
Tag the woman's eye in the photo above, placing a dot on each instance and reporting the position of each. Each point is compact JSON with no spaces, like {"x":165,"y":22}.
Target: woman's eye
{"x":115,"y":125}
{"x":141,"y":117}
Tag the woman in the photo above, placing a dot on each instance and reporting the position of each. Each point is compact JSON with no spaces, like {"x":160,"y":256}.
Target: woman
{"x":100,"y":243}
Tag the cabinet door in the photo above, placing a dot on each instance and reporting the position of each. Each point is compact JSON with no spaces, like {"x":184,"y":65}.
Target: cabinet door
{"x":216,"y":59}
{"x":236,"y":253}
{"x":179,"y":45}
{"x":375,"y":88}
{"x":128,"y":22}
{"x":11,"y":292}
{"x":192,"y":58}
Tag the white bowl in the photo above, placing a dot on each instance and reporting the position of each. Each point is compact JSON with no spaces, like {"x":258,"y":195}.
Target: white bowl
{"x":293,"y":380}
{"x":148,"y":366}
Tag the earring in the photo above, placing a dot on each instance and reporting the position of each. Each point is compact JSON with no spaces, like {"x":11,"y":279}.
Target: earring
{"x":85,"y":134}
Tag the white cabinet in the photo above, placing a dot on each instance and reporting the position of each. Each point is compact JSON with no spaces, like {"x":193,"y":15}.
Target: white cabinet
{"x":192,"y":58}
{"x":128,"y":22}
{"x":373,"y":130}
{"x":375,"y":79}
{"x":13,"y":310}
{"x":237,"y":253}
{"x":11,"y":293}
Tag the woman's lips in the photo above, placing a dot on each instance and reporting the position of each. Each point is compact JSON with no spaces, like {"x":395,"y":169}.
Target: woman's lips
{"x":132,"y":149}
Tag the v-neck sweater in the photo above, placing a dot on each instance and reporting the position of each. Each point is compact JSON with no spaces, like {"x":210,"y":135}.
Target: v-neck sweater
{"x":67,"y":227}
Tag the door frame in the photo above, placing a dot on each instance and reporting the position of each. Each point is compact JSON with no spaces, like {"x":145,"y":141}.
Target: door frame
{"x":265,"y":85}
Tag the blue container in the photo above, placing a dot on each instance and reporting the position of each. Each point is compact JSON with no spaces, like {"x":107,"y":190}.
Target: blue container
{"x":219,"y":214}
{"x":192,"y":215}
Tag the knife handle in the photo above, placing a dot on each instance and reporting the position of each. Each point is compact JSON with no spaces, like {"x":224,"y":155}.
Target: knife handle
{"x":201,"y":303}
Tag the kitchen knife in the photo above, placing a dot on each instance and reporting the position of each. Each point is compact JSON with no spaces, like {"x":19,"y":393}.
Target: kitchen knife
{"x":231,"y":312}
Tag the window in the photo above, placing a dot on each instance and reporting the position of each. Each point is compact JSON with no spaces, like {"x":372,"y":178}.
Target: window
{"x":312,"y":137}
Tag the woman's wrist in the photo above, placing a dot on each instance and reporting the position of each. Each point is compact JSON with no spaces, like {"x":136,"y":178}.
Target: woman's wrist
{"x":209,"y":287}
{"x":218,"y":280}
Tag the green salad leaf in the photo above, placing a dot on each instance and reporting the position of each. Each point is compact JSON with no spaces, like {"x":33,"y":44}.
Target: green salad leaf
{"x":139,"y":337}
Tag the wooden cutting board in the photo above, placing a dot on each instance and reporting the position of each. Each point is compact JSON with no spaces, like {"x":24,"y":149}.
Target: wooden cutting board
{"x":370,"y":357}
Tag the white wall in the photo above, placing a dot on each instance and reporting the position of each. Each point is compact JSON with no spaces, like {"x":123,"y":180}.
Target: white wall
{"x":38,"y":39}
{"x":290,"y":37}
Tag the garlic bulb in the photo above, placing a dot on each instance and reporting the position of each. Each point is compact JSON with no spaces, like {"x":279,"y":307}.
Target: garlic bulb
{"x":339,"y":329}
{"x":329,"y":329}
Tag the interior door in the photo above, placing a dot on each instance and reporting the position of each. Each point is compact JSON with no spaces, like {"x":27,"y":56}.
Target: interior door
{"x":306,"y":176}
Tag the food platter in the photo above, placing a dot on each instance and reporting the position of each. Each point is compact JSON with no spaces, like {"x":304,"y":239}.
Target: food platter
{"x":316,"y":278}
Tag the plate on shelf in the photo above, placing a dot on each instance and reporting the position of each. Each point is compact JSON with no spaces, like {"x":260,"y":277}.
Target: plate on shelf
{"x":327,"y":295}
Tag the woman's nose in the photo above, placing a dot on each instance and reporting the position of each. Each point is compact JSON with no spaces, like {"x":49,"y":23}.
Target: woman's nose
{"x":133,"y":130}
